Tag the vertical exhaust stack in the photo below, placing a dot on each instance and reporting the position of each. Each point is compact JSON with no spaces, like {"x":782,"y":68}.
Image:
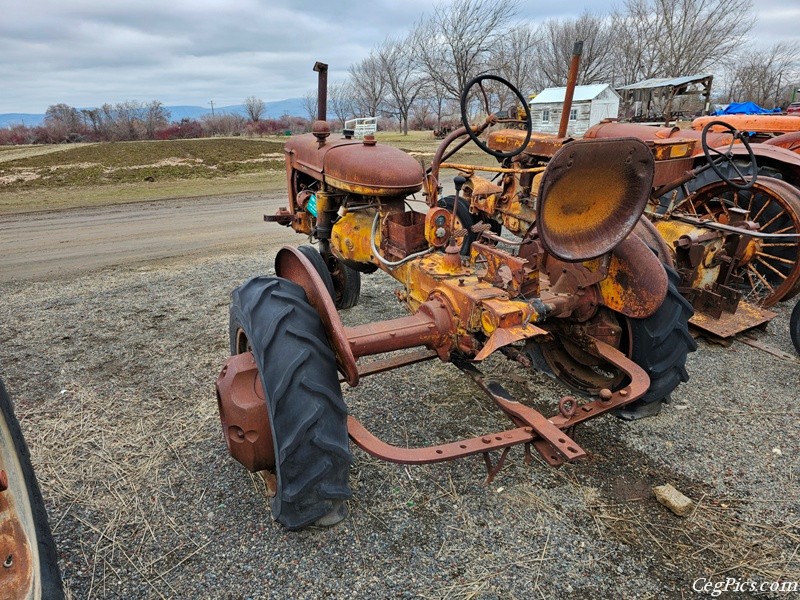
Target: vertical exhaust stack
{"x":572,"y":79}
{"x":320,"y":128}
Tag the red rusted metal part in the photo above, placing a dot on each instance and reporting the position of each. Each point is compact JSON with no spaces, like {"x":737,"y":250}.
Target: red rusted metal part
{"x":577,"y":222}
{"x":614,"y":129}
{"x":789,"y":141}
{"x":728,"y":324}
{"x":292,"y":265}
{"x":244,"y":415}
{"x":432,"y":454}
{"x":3,"y":481}
{"x":572,"y":80}
{"x":639,"y":383}
{"x":355,"y":166}
{"x":547,"y":434}
{"x":431,"y":326}
{"x":648,"y":233}
{"x":388,"y":364}
{"x":556,"y":439}
{"x":17,"y":580}
{"x":754,"y":123}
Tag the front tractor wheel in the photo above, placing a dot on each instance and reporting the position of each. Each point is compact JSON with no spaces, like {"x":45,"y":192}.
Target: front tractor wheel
{"x":272,"y":318}
{"x":659,"y":344}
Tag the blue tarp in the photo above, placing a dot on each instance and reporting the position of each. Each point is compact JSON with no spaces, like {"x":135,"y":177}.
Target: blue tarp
{"x":745,"y":108}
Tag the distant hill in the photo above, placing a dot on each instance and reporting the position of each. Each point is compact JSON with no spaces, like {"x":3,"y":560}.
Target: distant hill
{"x":273,"y":110}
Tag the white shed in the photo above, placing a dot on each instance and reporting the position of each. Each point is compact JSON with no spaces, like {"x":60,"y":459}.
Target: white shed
{"x":590,"y":105}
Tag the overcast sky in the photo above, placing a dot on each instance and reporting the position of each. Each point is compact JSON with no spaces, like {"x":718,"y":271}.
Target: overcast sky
{"x":87,"y":52}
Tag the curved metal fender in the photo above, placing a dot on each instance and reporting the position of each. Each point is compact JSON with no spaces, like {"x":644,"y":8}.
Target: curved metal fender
{"x":636,"y":284}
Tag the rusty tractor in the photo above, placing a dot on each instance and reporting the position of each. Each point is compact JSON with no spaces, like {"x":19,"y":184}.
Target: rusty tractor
{"x":27,"y":552}
{"x":573,"y":290}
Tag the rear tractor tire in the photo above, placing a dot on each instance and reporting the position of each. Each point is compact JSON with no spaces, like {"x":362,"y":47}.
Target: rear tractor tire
{"x":659,"y":344}
{"x":272,"y":318}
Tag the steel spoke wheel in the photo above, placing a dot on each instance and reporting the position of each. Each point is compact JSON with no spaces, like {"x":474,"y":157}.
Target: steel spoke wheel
{"x":769,"y":269}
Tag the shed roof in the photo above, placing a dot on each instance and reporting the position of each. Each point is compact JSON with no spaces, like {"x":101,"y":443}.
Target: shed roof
{"x":582,"y":93}
{"x":659,"y":82}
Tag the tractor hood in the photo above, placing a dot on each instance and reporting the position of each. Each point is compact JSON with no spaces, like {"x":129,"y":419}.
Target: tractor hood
{"x":356,"y":166}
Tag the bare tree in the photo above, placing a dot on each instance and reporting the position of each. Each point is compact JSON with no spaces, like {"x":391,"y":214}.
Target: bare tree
{"x":555,"y":50}
{"x":341,"y":102}
{"x":667,"y":38}
{"x":517,"y":57}
{"x":403,"y":81}
{"x":156,"y":117}
{"x":455,"y":43}
{"x":763,"y":76}
{"x":368,"y":84}
{"x":310,"y":105}
{"x":254,"y":107}
{"x":64,"y":117}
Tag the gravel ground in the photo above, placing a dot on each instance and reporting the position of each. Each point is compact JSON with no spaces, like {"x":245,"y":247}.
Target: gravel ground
{"x":113,"y":376}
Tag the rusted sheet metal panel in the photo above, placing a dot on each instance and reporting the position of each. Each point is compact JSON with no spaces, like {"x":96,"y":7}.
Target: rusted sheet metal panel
{"x":789,"y":141}
{"x":292,"y":265}
{"x":756,"y":123}
{"x":592,"y":195}
{"x":637,"y":283}
{"x":728,"y":324}
{"x":540,"y":144}
{"x":647,"y":133}
{"x":360,"y":167}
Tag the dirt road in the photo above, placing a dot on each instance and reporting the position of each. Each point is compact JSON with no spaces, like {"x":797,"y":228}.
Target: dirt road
{"x":62,"y":243}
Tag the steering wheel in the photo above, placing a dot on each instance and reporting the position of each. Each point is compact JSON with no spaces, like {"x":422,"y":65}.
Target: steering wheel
{"x":717,"y":158}
{"x":491,"y":118}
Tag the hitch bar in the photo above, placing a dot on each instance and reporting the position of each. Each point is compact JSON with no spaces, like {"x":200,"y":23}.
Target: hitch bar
{"x":546,"y":434}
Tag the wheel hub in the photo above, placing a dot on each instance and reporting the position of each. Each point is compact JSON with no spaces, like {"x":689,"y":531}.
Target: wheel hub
{"x":244,"y":415}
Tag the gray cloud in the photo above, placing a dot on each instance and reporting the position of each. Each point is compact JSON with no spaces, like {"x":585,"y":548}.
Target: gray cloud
{"x":86,"y":52}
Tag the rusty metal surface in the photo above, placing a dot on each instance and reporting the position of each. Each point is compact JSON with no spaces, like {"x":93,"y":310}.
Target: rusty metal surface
{"x":394,"y":362}
{"x":788,"y":141}
{"x":647,"y":133}
{"x":572,"y":80}
{"x":592,"y":195}
{"x":756,"y":123}
{"x":356,"y":166}
{"x":18,"y":578}
{"x":292,"y":265}
{"x":431,"y":326}
{"x":770,"y":270}
{"x":726,"y":325}
{"x":541,"y":145}
{"x":243,"y":413}
{"x":636,"y":284}
{"x":432,"y":454}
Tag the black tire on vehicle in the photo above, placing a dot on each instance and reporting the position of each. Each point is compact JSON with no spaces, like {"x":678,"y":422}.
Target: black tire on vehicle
{"x":466,"y":220}
{"x":659,"y":344}
{"x":271,"y":317}
{"x":315,"y":258}
{"x":346,"y":283}
{"x":27,"y":499}
{"x":794,"y":327}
